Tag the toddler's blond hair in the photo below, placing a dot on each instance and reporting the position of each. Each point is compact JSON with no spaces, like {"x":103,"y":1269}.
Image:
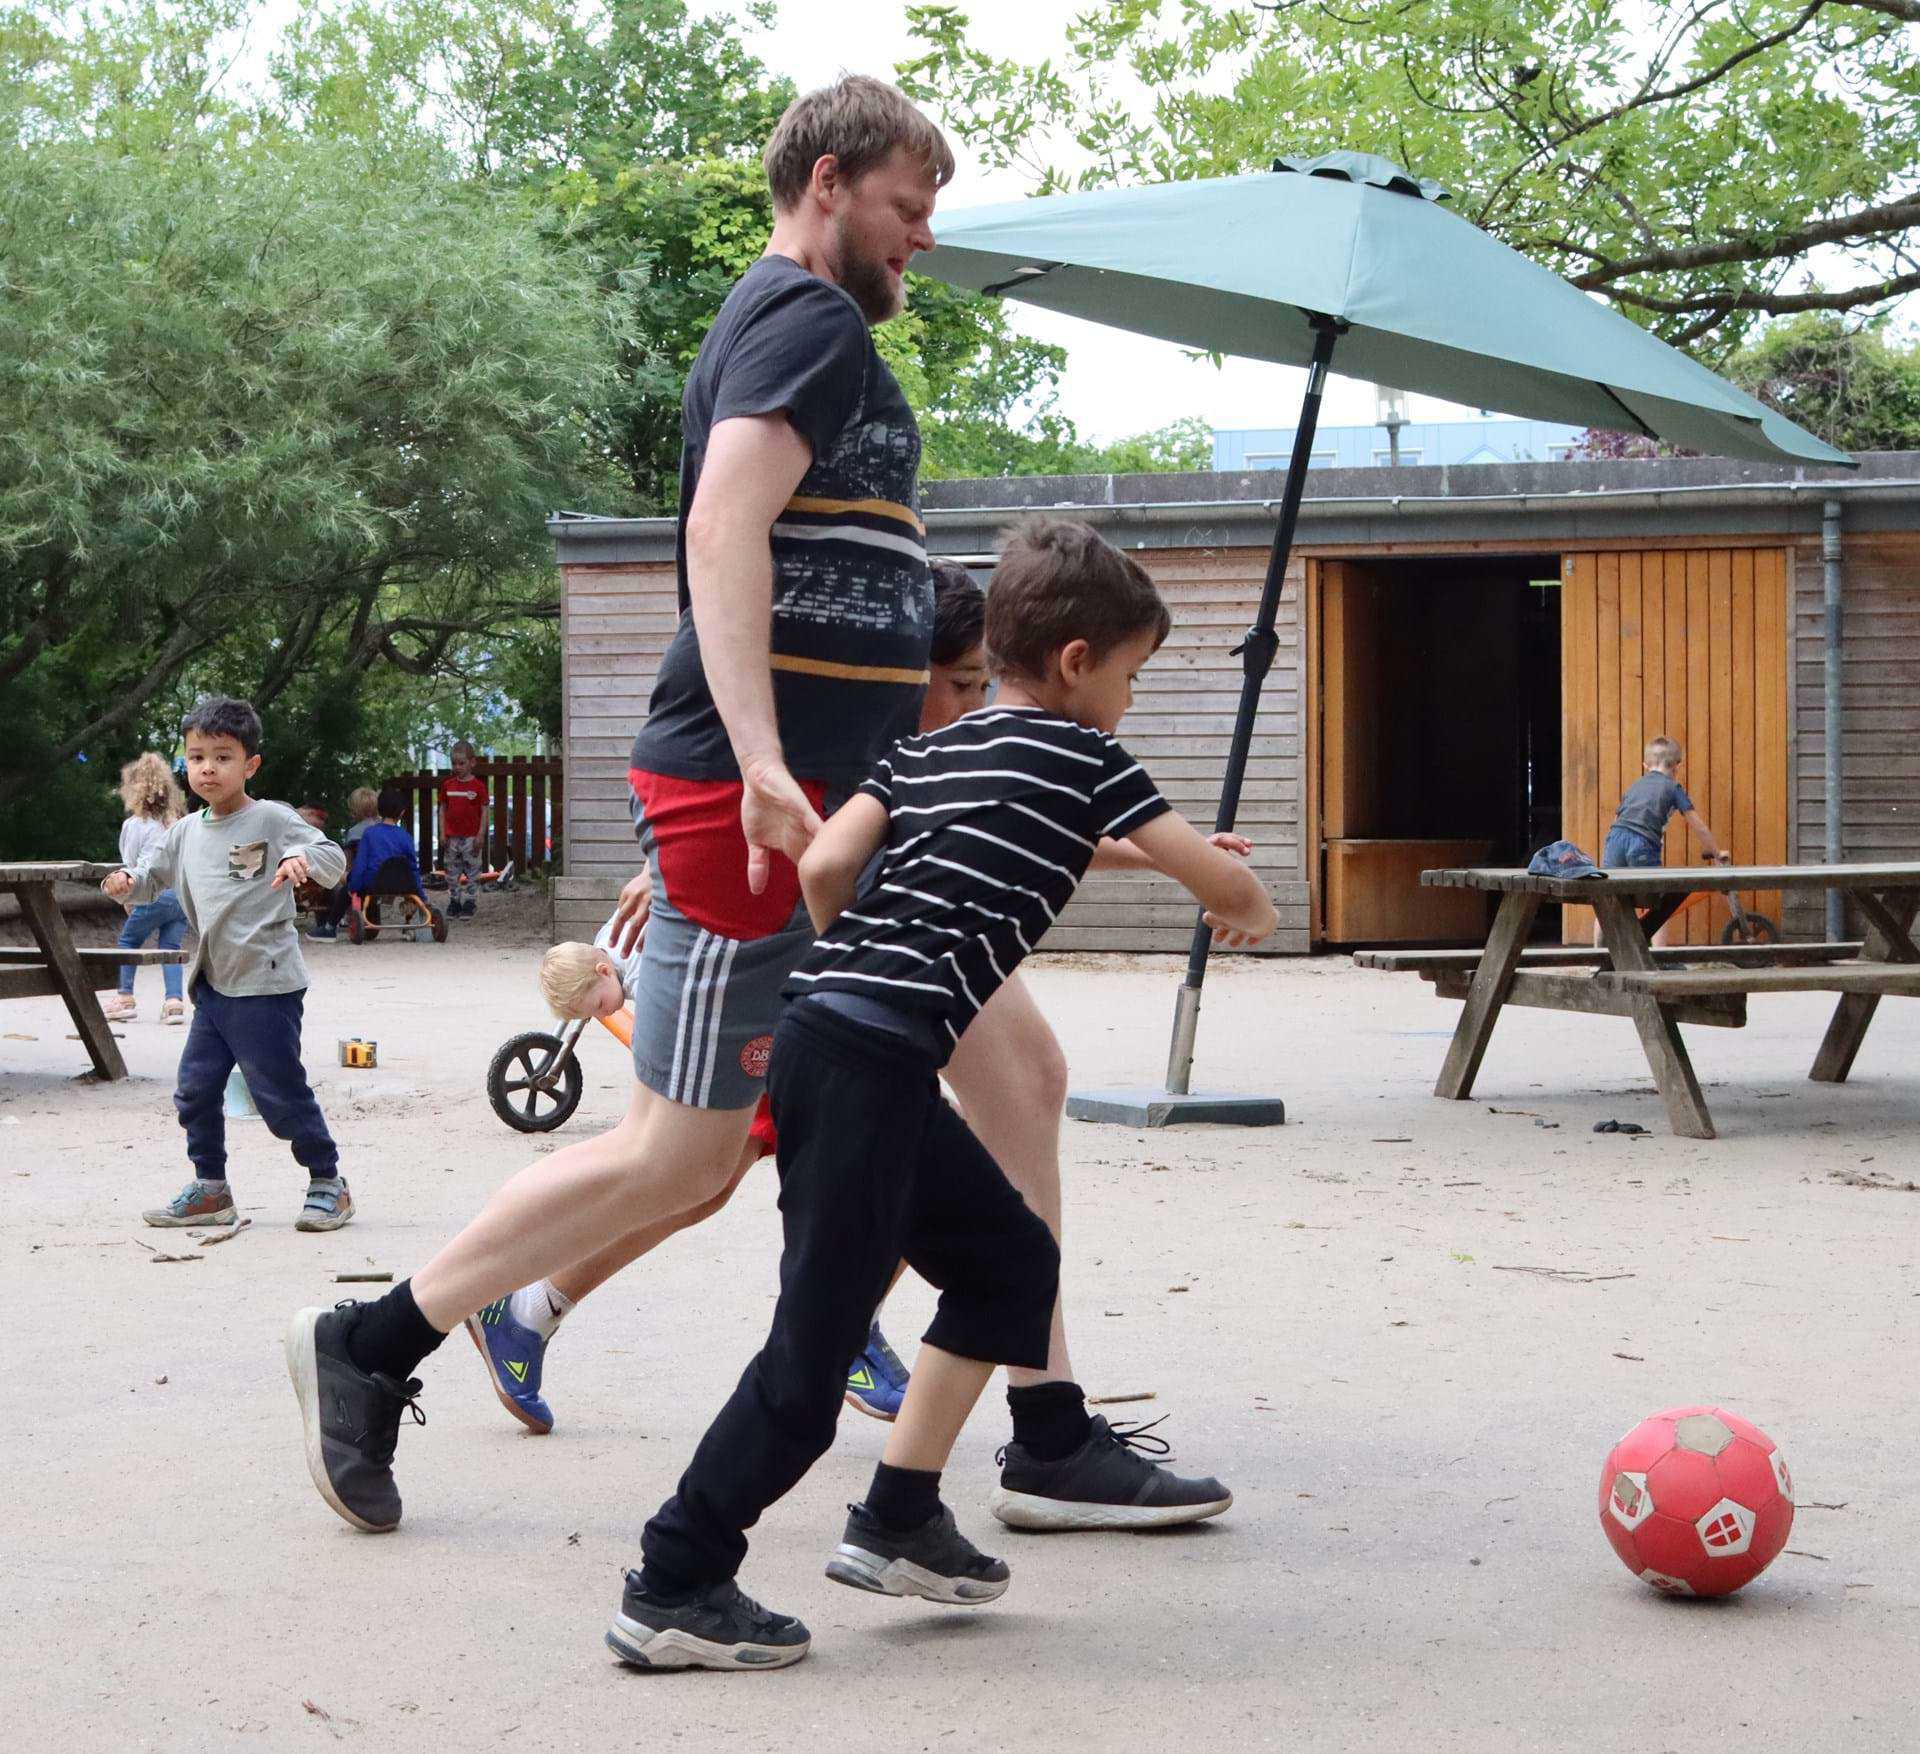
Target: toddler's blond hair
{"x":1661,"y":752}
{"x":148,"y":788}
{"x":363,"y":803}
{"x":567,"y":975}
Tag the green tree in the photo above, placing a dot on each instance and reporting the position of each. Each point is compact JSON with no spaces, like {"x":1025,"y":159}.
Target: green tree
{"x":274,"y":418}
{"x":1857,"y":388}
{"x":1682,"y":157}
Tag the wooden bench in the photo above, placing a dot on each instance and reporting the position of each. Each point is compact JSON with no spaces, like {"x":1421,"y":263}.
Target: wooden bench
{"x":26,"y":974}
{"x":1890,"y":978}
{"x":1431,"y":962}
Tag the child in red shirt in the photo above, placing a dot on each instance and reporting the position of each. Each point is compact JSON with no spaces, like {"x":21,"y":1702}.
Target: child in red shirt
{"x":463,"y":829}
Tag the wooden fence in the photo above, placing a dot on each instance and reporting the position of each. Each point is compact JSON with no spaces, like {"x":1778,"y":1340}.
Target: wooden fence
{"x":525,"y":799}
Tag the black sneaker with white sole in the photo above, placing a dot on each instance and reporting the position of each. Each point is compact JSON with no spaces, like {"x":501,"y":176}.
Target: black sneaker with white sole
{"x":721,"y":1628}
{"x":935,"y":1561}
{"x":352,"y":1419}
{"x":1107,"y":1483}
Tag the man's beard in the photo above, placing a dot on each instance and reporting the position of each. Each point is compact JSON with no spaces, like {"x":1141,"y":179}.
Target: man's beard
{"x":879,"y":295}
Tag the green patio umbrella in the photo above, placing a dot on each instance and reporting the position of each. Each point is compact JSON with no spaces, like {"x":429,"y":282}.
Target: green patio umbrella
{"x":1351,"y":253}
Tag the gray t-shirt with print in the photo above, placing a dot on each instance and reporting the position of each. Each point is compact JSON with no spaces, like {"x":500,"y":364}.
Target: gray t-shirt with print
{"x":222,"y":867}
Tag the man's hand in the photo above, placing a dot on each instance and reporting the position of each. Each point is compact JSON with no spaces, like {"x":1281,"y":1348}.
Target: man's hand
{"x":632,"y":912}
{"x":776,"y":817}
{"x":292,"y":869}
{"x":118,"y":884}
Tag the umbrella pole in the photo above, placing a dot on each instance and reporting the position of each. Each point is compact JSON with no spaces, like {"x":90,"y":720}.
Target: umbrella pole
{"x":1256,"y":653}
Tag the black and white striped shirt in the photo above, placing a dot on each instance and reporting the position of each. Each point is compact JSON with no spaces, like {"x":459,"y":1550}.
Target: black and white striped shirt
{"x":993,"y":820}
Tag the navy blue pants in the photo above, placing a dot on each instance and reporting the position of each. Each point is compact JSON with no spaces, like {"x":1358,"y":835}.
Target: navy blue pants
{"x":261,"y":1034}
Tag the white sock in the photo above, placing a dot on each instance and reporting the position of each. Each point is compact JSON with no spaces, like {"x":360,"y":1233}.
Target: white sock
{"x":540,"y":1308}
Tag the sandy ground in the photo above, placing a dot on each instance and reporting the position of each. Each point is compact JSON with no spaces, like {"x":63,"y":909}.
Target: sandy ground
{"x":1414,"y":1435}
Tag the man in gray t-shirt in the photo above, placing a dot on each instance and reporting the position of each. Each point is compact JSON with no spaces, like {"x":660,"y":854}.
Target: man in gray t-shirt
{"x":235,"y":866}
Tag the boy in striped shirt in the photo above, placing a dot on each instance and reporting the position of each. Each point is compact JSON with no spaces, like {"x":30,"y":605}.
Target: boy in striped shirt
{"x":984,"y":829}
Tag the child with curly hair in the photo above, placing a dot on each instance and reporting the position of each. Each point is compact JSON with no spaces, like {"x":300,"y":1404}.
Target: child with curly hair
{"x":153,"y":801}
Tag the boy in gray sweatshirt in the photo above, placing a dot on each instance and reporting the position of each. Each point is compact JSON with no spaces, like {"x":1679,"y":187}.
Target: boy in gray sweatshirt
{"x":235,"y":866}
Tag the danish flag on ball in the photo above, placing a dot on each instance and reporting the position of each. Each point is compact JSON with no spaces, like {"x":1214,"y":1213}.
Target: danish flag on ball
{"x":1696,"y":1501}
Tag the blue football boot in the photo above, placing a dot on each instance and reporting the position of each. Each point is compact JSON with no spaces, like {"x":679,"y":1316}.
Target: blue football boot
{"x":513,"y":1352}
{"x":877,"y":1383}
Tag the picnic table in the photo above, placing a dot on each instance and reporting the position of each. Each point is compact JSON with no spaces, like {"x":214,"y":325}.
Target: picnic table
{"x":1625,"y":976}
{"x":56,"y":967}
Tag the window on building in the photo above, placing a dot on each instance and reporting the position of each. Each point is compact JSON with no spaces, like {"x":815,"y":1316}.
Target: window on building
{"x":1409,"y":455}
{"x":1282,"y":459}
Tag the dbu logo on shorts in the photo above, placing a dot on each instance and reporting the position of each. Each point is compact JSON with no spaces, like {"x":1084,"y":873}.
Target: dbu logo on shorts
{"x":754,"y":1056}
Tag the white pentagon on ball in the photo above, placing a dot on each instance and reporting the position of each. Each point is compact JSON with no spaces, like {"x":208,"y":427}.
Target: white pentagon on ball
{"x":1726,"y":1529}
{"x":1667,"y":1586}
{"x":1629,"y":1503}
{"x":1702,"y":1433}
{"x":1781,"y":1477}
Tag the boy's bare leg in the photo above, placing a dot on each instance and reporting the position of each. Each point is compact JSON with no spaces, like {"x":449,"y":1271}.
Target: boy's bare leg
{"x":586,"y":1276}
{"x":661,"y":1160}
{"x":1011,"y":1078}
{"x":940,"y":1395}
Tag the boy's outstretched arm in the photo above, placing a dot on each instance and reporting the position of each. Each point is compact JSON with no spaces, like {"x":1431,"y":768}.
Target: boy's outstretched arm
{"x":1708,"y":844}
{"x":830,"y":868}
{"x":1119,"y":855}
{"x":1235,"y":901}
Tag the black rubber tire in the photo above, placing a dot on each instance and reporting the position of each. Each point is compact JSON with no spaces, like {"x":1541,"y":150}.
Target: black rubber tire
{"x":370,"y":918}
{"x":438,"y":921}
{"x":518,"y":1099}
{"x":358,"y":931}
{"x":1760,"y":930}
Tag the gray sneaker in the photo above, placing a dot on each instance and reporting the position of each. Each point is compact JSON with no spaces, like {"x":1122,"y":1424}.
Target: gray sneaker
{"x":197,"y":1203}
{"x":351,"y":1418}
{"x":1107,"y":1483}
{"x":935,"y":1561}
{"x":721,"y":1628}
{"x":328,"y":1205}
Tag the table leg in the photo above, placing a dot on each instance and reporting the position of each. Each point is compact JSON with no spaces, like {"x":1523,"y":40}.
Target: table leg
{"x":1888,"y":938}
{"x":50,"y":932}
{"x":1489,"y":992}
{"x":1625,"y":939}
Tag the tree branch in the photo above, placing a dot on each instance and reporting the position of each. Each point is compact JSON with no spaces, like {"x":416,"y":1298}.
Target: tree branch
{"x":44,"y":626}
{"x":1775,"y":304}
{"x":1893,"y":216}
{"x":1907,"y":10}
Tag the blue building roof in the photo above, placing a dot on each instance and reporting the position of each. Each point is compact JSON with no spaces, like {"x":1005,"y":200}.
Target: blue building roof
{"x":1421,"y":441}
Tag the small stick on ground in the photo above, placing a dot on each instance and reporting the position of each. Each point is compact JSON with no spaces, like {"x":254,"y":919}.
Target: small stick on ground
{"x":160,"y":1260}
{"x":1117,"y":1400}
{"x":208,"y":1242}
{"x":363,"y":1278}
{"x":1568,"y":1275}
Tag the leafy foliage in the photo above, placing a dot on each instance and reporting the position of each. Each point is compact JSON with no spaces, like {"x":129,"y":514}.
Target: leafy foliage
{"x":1682,"y":157}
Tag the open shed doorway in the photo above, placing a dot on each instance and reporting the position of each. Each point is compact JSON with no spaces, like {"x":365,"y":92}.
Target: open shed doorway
{"x":1439,"y":723}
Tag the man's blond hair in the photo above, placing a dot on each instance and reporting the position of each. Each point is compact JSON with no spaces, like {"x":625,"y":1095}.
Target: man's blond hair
{"x":1661,"y":752}
{"x":856,"y":121}
{"x":567,"y":976}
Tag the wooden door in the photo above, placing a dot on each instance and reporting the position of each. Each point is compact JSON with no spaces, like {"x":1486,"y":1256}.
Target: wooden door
{"x":1350,"y":705}
{"x":1690,"y":644}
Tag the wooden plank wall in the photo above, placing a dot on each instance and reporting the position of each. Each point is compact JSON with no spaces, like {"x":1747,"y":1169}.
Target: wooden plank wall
{"x":1880,"y":704}
{"x":1690,"y":643}
{"x":616,"y":621}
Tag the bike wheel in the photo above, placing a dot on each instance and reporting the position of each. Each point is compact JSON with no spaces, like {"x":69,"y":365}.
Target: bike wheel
{"x":527,"y":1089}
{"x":1759,"y":930}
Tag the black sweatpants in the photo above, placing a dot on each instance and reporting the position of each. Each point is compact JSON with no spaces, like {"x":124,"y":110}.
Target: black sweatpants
{"x":874,"y":1166}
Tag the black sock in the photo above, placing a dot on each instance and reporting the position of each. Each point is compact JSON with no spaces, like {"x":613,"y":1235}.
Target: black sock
{"x":391,"y":1336}
{"x":903,"y":1498}
{"x":1049,"y":1420}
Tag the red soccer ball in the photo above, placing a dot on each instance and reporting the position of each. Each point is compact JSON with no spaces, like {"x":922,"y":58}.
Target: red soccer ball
{"x":1696,"y":1501}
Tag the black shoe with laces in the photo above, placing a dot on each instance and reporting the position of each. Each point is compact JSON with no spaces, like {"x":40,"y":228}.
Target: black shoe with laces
{"x":935,"y":1561}
{"x":352,"y":1419}
{"x":1107,"y":1483}
{"x":720,"y":1628}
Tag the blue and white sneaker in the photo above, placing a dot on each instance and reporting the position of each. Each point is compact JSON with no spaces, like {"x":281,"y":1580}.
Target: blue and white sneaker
{"x":877,"y":1383}
{"x":514,"y":1353}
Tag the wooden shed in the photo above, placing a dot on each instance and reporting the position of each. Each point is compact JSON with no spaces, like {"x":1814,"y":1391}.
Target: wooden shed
{"x":1470,"y":662}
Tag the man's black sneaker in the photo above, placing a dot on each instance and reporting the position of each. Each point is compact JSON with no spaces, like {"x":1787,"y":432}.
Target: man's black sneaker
{"x":721,"y":1628}
{"x":352,"y":1420}
{"x":934,"y":1561}
{"x":1107,"y":1483}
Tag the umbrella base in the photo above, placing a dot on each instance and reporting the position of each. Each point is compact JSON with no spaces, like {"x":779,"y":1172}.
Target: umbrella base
{"x":1150,"y":1107}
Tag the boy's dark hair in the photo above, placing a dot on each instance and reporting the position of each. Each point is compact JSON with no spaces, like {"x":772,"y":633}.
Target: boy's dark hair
{"x":220,"y":715}
{"x":959,"y":611}
{"x":1059,"y":581}
{"x":393,"y":802}
{"x":858,"y":121}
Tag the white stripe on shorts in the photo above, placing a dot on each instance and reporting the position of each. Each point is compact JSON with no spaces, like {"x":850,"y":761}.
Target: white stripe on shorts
{"x":716,"y":1009}
{"x":687,"y":991}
